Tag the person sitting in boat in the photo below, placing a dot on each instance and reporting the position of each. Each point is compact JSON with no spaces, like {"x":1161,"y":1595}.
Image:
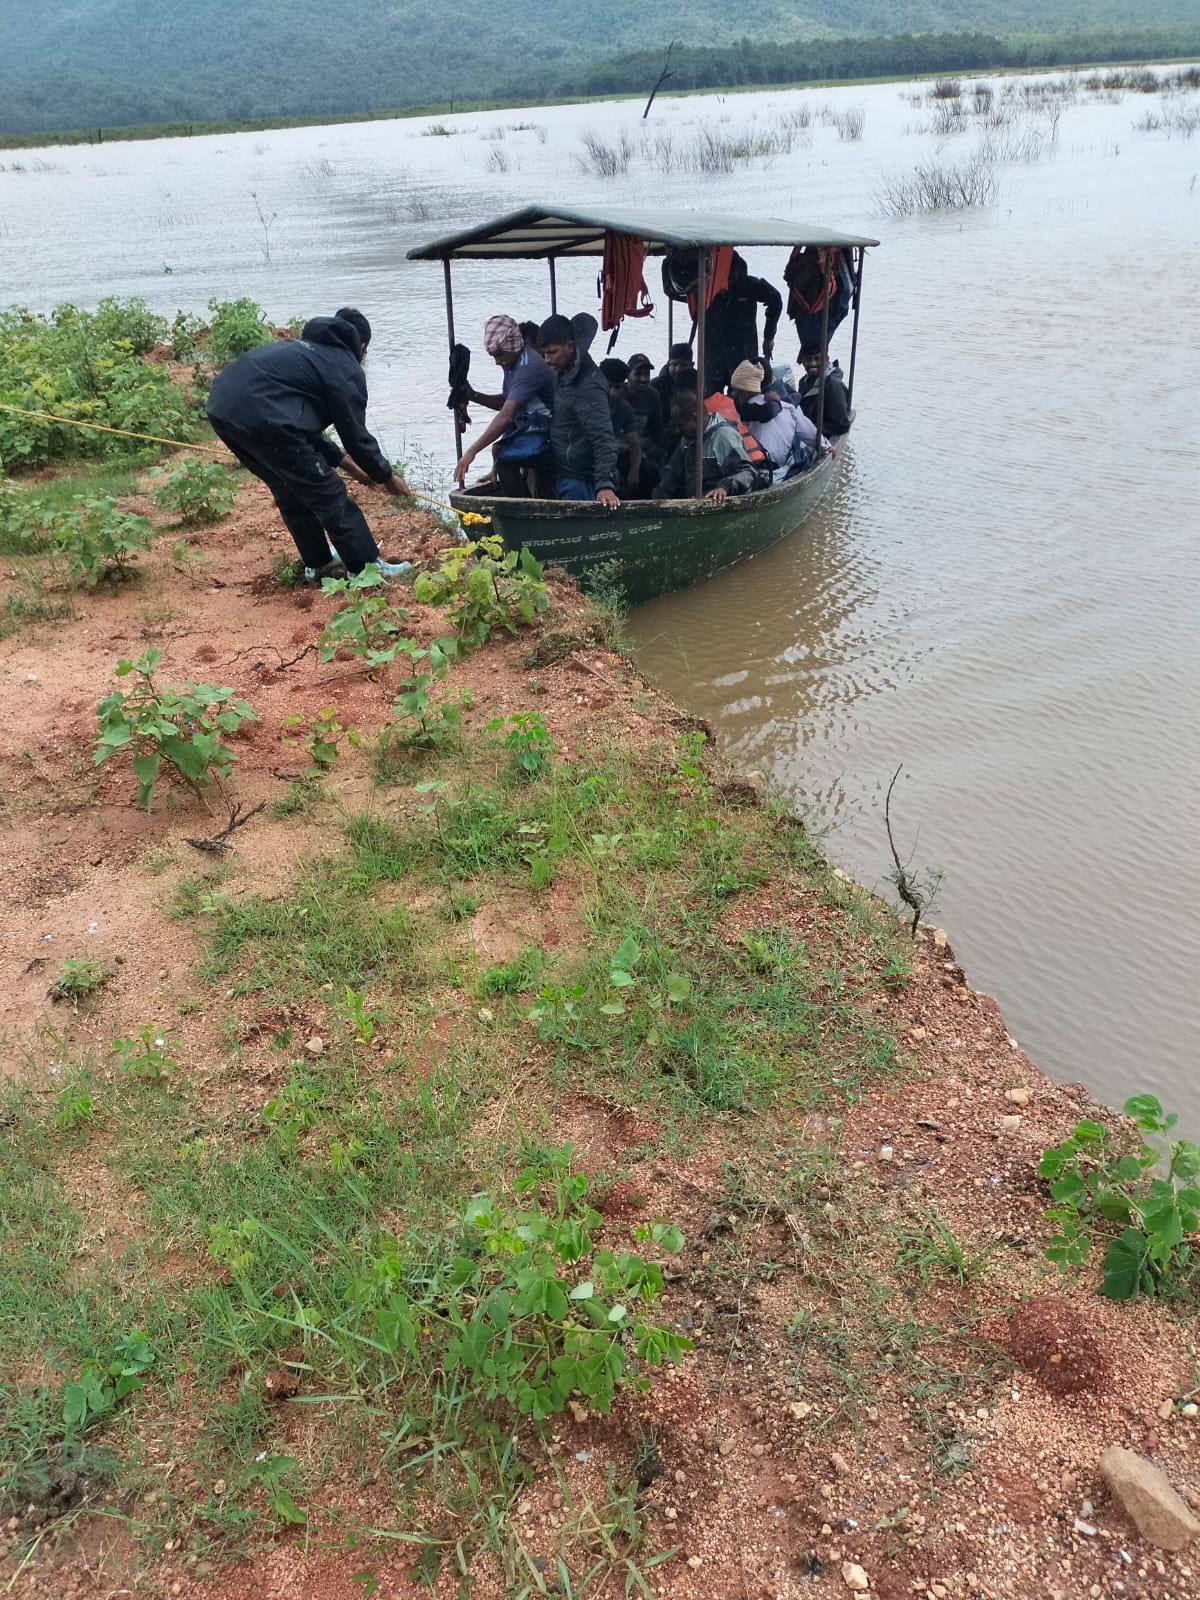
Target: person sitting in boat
{"x":731,"y":324}
{"x":647,"y":408}
{"x":780,"y":427}
{"x":727,"y":469}
{"x":624,"y":425}
{"x":582,"y":442}
{"x":520,"y":430}
{"x":679,"y":359}
{"x":835,"y":418}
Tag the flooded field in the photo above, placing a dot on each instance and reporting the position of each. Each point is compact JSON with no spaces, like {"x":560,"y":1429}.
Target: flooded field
{"x":1001,"y":595}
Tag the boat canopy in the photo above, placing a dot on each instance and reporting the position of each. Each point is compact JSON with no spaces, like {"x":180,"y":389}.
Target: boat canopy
{"x":538,"y":232}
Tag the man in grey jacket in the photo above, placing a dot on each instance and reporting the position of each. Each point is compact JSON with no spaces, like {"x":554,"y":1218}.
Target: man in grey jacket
{"x":582,"y":441}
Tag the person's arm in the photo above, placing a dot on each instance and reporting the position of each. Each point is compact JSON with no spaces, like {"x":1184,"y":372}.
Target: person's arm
{"x":734,"y":465}
{"x":670,"y":485}
{"x":498,"y":426}
{"x":352,"y":469}
{"x":492,"y":401}
{"x":837,"y":408}
{"x":595,"y":418}
{"x":634,"y":446}
{"x":348,"y":405}
{"x":769,"y":297}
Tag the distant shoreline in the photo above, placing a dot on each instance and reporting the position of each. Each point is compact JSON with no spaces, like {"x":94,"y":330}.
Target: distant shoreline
{"x":184,"y":130}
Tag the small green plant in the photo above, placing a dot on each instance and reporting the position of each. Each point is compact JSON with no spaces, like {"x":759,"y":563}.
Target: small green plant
{"x":269,"y":1471}
{"x":480,"y":588}
{"x":235,"y":326}
{"x":96,"y":541}
{"x":933,"y":1247}
{"x":420,"y":721}
{"x":102,"y":1385}
{"x":73,"y":1107}
{"x":183,"y":336}
{"x":320,"y":736}
{"x":367,"y":625}
{"x":528,"y":743}
{"x":361,"y":1018}
{"x":146,"y":1054}
{"x":156,"y":723}
{"x":1098,"y":1183}
{"x":200,"y":491}
{"x":78,"y":979}
{"x":292,"y":1111}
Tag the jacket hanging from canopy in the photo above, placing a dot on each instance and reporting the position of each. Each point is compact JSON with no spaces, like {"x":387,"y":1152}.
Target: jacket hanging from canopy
{"x":815,"y":277}
{"x":623,"y":291}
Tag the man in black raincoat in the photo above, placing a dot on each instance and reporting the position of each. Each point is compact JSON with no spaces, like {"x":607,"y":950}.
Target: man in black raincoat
{"x":272,"y":405}
{"x":582,"y":441}
{"x":731,"y":325}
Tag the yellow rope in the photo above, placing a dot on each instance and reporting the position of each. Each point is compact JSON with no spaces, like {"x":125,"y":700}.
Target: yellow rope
{"x":207,"y":449}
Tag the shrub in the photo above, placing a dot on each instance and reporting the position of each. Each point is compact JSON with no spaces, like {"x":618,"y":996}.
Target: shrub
{"x":236,"y":326}
{"x":96,"y":541}
{"x":157,"y":723}
{"x":938,"y":186}
{"x":200,"y":491}
{"x":480,"y":588}
{"x":84,"y":367}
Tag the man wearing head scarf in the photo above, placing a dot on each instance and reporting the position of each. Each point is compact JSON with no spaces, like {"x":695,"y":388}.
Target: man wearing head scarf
{"x":271,"y":407}
{"x":528,"y":387}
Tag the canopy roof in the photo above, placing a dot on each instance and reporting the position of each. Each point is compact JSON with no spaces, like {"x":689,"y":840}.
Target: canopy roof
{"x":538,"y":231}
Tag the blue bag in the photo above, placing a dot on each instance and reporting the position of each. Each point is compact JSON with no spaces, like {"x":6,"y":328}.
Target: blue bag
{"x":529,"y":435}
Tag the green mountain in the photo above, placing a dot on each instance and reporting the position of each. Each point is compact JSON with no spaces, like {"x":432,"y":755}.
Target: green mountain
{"x":79,"y":63}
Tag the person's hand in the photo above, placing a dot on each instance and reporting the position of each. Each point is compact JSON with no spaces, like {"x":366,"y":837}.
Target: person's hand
{"x":768,"y":350}
{"x":463,"y":467}
{"x":397,"y":486}
{"x":608,"y":499}
{"x":718,"y":496}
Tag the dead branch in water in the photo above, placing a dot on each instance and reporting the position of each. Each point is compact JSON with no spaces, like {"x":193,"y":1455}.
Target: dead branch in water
{"x":661,"y":79}
{"x":906,"y":887}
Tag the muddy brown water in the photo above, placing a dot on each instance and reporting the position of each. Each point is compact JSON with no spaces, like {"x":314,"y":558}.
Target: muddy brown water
{"x":1000,"y":596}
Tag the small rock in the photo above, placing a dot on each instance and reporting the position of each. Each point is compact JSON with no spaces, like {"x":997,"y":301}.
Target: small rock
{"x":680,"y":1475}
{"x":1188,"y":1410}
{"x":886,"y":1152}
{"x":757,"y":1450}
{"x":1017,"y":1097}
{"x":219,"y":1486}
{"x":694,"y":1562}
{"x":840,"y":1465}
{"x":1148,"y":1498}
{"x":854,"y":1577}
{"x":1009,"y":1124}
{"x":799,"y":1410}
{"x":578,"y":1412}
{"x":727,"y":1446}
{"x":32,"y":677}
{"x":670,"y":1512}
{"x":281,"y":1384}
{"x":917,"y":1034}
{"x":1085,"y":1527}
{"x":1167,"y":1410}
{"x":315,"y":1046}
{"x":940,"y":939}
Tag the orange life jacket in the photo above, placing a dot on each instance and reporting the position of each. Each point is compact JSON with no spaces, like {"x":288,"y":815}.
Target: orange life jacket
{"x":721,"y":405}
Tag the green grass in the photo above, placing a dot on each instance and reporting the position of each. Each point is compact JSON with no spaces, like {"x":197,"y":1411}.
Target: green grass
{"x":279,"y":1187}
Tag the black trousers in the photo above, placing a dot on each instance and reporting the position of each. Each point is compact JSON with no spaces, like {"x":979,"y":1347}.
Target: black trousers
{"x":311,"y":497}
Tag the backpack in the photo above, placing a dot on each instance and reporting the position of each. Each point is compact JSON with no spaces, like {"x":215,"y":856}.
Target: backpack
{"x":529,"y":436}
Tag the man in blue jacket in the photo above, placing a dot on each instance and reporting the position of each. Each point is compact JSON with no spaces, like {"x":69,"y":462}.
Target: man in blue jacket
{"x":582,"y":441}
{"x":272,"y":406}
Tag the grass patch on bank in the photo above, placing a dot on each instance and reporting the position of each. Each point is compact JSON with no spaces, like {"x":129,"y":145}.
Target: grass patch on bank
{"x":321,"y":1219}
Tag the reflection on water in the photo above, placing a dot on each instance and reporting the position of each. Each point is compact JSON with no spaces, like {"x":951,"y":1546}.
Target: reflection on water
{"x":1000,"y":593}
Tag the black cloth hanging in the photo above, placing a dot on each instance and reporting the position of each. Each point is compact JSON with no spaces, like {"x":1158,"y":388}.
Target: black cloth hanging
{"x":460,"y":367}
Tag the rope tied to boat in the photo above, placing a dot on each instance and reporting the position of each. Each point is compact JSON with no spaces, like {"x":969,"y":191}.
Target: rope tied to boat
{"x":468,"y":517}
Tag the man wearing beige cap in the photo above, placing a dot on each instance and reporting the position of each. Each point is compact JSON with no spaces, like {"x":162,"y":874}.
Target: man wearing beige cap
{"x":786,"y":435}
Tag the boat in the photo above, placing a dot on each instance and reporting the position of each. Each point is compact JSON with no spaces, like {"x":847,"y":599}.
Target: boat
{"x":646,"y":548}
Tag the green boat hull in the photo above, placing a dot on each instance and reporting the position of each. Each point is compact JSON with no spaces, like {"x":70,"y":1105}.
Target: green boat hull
{"x":651,"y":548}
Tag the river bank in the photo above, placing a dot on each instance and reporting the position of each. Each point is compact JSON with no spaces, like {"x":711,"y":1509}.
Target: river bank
{"x":411,"y":979}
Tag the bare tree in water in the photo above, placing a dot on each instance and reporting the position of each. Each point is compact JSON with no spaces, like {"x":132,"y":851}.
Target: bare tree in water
{"x":661,"y":79}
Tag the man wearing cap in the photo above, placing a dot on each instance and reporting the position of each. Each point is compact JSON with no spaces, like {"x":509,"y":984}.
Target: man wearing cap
{"x":786,"y":435}
{"x":528,"y":383}
{"x":582,"y":441}
{"x":272,"y":405}
{"x":647,"y":407}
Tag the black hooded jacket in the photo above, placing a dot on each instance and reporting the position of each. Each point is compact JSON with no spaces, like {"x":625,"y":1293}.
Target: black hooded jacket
{"x":581,"y":434}
{"x":301,"y":387}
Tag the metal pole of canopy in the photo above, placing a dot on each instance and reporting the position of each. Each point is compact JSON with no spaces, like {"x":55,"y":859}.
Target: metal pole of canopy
{"x":670,"y":325}
{"x":824,"y":355}
{"x":458,"y":433}
{"x":553,"y":289}
{"x":862,"y":256}
{"x":701,"y":413}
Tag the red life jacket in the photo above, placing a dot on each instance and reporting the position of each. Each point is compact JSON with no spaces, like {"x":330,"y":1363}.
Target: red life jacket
{"x":721,"y":405}
{"x":811,"y":275}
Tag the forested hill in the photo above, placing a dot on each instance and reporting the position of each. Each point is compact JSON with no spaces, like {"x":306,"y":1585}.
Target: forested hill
{"x":74,"y":63}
